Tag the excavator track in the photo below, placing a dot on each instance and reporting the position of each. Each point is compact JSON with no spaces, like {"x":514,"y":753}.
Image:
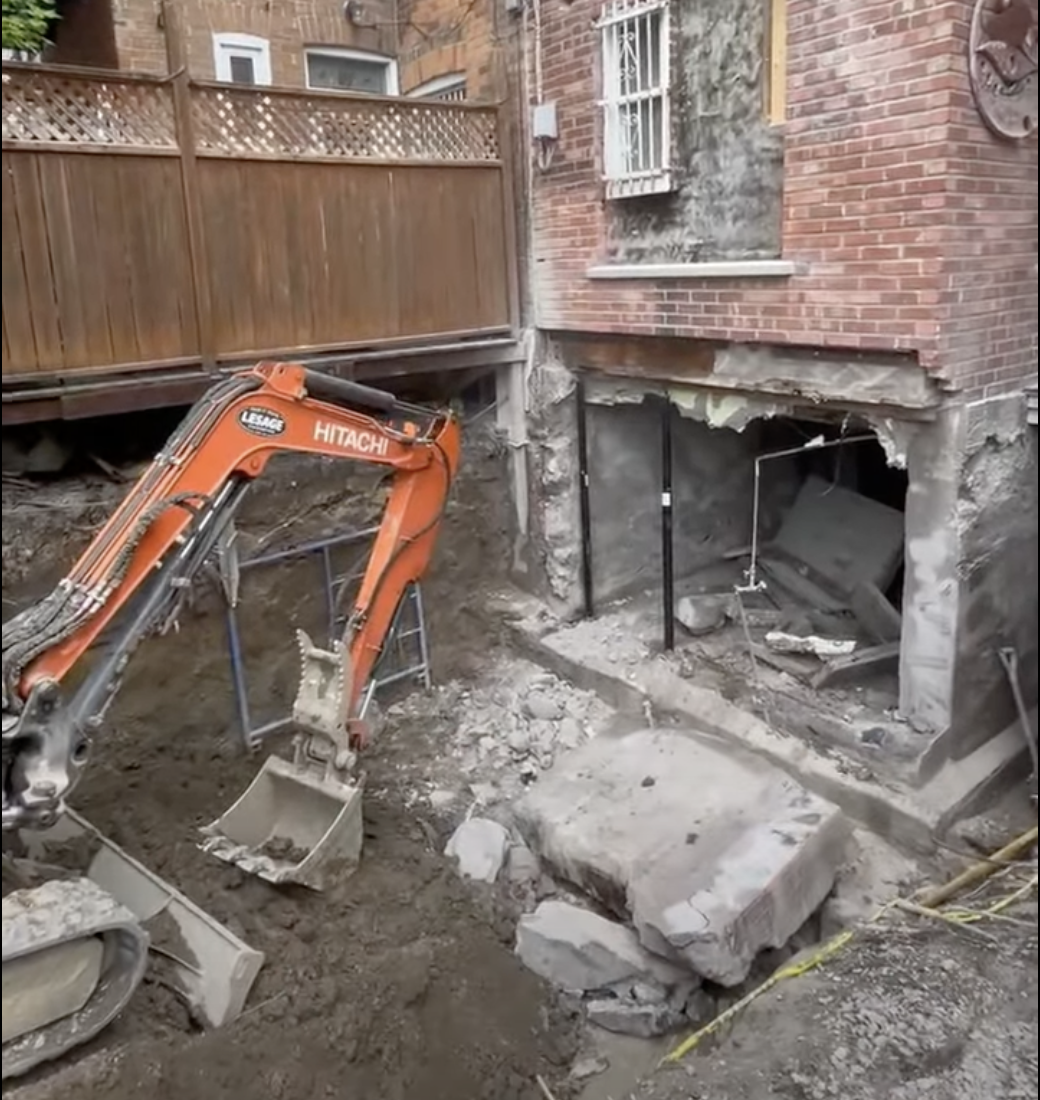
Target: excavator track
{"x":73,"y":957}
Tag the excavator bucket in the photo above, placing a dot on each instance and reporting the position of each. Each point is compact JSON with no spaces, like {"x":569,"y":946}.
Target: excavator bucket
{"x":300,"y":821}
{"x":75,"y":950}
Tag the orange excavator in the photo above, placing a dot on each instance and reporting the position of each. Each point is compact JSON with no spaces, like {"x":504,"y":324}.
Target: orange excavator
{"x":74,"y":949}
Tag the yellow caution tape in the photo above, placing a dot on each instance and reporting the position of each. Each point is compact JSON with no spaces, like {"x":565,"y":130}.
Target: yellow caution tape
{"x":802,"y":966}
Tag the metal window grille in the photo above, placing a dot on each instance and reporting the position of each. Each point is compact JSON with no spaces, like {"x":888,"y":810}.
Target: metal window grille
{"x":636,"y":101}
{"x":446,"y":89}
{"x":455,"y":93}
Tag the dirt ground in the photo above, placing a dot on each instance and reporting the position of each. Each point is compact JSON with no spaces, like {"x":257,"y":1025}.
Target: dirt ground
{"x":401,"y":984}
{"x":398,"y":985}
{"x":911,"y":1012}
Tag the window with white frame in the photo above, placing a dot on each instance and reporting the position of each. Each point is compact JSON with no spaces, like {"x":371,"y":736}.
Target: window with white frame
{"x":242,"y":59}
{"x":450,"y":88}
{"x":333,"y":69}
{"x":636,"y":102}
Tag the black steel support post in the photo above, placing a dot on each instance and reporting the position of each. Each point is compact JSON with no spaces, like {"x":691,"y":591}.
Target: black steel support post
{"x":582,"y":415}
{"x":667,"y":531}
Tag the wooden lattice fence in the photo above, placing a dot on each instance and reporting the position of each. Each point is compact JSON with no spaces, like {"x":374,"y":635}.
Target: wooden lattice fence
{"x":144,"y":232}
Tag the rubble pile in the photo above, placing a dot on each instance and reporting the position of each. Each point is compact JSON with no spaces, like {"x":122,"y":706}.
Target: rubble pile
{"x":677,"y":866}
{"x":497,"y":735}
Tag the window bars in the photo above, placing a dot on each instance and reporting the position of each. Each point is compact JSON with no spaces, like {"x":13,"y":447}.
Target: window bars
{"x":636,"y":102}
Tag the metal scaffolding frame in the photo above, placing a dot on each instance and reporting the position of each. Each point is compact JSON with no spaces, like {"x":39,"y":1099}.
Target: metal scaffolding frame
{"x":405,"y":653}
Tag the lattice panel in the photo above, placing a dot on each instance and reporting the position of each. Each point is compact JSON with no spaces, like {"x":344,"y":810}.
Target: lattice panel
{"x":41,"y":105}
{"x":246,"y":121}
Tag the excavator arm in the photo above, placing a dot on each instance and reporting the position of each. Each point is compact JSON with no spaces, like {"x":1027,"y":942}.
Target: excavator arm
{"x":76,"y":947}
{"x":134,"y":572}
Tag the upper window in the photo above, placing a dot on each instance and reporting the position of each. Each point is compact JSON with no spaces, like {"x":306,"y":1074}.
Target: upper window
{"x":636,"y":107}
{"x":242,"y":58}
{"x":337,"y":70}
{"x":451,"y":88}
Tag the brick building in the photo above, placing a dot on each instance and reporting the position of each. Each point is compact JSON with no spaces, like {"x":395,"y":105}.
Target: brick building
{"x":435,"y":48}
{"x":455,"y":50}
{"x":322,"y":44}
{"x":760,"y":226}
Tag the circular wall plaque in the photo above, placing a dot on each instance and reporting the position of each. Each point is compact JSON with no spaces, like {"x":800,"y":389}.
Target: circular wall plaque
{"x":1002,"y":63}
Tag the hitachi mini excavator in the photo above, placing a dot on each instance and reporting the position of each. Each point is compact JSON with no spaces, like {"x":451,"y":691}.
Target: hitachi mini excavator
{"x":75,"y":946}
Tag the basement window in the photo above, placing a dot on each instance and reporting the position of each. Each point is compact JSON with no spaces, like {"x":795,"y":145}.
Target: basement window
{"x":448,"y":89}
{"x":242,"y":59}
{"x":636,"y":100}
{"x":333,"y":69}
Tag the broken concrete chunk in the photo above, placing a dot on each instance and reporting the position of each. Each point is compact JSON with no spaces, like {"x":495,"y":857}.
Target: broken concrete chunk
{"x":844,"y":537}
{"x":627,"y":1013}
{"x":760,"y":884}
{"x":581,"y":952}
{"x":542,"y":707}
{"x":522,"y":865}
{"x":593,"y":820}
{"x":479,"y":846}
{"x":702,"y":614}
{"x":824,"y":648}
{"x":592,"y":1066}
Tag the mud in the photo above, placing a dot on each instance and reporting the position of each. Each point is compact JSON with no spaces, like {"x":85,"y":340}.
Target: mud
{"x":400,"y":984}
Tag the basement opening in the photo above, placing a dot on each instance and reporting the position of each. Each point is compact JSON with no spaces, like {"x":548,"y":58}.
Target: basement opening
{"x":762,"y":560}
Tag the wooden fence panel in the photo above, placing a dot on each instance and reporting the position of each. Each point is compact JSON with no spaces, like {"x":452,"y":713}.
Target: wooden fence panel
{"x":98,"y":269}
{"x":301,"y":254}
{"x":324,"y":221}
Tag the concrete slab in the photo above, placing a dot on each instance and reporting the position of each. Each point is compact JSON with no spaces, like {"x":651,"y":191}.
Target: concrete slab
{"x":846,"y":538}
{"x":763,"y":882}
{"x":909,"y":813}
{"x":715,"y":858}
{"x":608,"y":807}
{"x":581,"y":952}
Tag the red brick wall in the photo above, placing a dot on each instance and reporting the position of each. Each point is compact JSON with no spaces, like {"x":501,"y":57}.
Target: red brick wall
{"x":444,"y":37}
{"x":989,"y":274}
{"x":890,"y":180}
{"x":288,"y":25}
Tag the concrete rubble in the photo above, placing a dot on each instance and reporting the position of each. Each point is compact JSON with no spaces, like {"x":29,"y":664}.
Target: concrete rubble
{"x":626,"y":989}
{"x":713,"y":858}
{"x":496,"y":734}
{"x":581,"y":952}
{"x":479,"y":848}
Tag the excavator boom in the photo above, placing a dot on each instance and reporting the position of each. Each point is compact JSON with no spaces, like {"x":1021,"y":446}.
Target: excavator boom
{"x":301,"y":818}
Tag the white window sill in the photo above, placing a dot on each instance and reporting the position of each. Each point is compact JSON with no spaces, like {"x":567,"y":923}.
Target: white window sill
{"x":720,"y":269}
{"x":637,"y":187}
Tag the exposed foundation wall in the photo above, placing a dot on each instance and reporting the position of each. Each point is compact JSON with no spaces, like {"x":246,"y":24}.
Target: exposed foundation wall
{"x":997,"y":504}
{"x":971,"y":583}
{"x":713,"y":476}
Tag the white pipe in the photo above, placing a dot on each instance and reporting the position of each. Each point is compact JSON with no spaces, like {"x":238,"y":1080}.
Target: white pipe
{"x":817,"y":444}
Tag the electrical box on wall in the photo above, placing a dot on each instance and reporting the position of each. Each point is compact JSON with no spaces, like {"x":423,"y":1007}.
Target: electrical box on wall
{"x":543,"y":122}
{"x":514,"y":6}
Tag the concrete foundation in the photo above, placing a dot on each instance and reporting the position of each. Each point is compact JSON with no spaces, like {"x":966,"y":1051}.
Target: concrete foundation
{"x":970,"y":579}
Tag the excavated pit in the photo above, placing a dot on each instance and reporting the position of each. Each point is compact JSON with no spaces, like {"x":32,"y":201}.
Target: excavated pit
{"x":400,"y":983}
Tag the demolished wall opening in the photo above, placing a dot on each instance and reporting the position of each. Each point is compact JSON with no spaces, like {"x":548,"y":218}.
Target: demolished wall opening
{"x":788,"y":534}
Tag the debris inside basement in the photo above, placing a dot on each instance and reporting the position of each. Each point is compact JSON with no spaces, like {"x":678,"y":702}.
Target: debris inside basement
{"x":592,"y":870}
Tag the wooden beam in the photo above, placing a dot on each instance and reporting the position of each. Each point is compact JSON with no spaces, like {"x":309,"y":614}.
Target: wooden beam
{"x":656,"y":357}
{"x":776,"y":53}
